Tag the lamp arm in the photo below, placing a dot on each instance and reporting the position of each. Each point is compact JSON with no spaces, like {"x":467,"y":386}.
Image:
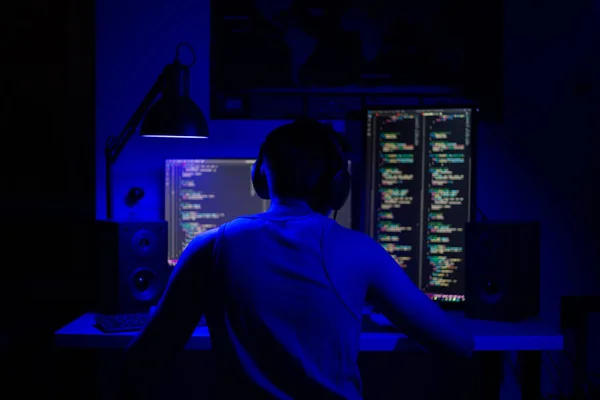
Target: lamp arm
{"x":116,"y":144}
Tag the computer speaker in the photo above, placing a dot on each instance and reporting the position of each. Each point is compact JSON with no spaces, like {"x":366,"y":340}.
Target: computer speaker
{"x":502,"y":262}
{"x":131,"y":265}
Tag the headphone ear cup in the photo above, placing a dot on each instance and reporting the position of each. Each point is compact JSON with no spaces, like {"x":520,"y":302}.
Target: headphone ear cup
{"x":259,"y":181}
{"x":340,"y":189}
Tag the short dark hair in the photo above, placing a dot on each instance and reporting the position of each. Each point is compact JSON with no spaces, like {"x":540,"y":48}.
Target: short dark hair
{"x":301,"y":156}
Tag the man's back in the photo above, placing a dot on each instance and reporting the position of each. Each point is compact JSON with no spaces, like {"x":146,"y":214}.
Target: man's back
{"x":282,"y":291}
{"x":287,"y":299}
{"x":282,"y":294}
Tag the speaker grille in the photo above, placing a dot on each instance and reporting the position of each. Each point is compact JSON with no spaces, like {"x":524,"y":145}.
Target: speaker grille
{"x":131,"y":265}
{"x":144,"y":243}
{"x":144,"y":284}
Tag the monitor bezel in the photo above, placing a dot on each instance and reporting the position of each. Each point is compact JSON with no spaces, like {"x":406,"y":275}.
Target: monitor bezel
{"x":253,"y":159}
{"x":475,"y":120}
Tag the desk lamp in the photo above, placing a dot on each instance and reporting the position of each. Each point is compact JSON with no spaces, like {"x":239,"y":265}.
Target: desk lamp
{"x":166,"y":111}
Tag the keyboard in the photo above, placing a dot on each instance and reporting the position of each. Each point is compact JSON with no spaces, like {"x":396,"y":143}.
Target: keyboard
{"x":121,"y":322}
{"x":126,"y":322}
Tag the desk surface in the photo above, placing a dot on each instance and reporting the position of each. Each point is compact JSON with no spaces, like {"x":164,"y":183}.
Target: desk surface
{"x":530,"y":335}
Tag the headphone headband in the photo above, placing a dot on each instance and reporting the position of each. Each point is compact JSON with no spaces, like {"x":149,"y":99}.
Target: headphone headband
{"x":336,"y":188}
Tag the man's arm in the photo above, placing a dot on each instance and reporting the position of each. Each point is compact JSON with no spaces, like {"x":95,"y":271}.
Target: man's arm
{"x":410,"y":310}
{"x":176,"y":316}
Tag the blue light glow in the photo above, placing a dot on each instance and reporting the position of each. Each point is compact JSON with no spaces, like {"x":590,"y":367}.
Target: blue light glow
{"x":175,"y":137}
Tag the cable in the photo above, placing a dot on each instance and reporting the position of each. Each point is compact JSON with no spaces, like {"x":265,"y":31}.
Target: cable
{"x":557,"y":370}
{"x":571,"y":362}
{"x":191,"y":50}
{"x":551,"y":377}
{"x":517,"y":373}
{"x":110,"y":144}
{"x":515,"y":370}
{"x":483,"y":217}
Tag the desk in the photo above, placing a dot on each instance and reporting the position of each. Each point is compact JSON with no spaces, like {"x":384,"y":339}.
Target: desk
{"x":529,"y":338}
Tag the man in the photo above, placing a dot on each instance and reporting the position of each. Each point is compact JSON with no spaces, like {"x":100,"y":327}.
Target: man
{"x":283,"y":291}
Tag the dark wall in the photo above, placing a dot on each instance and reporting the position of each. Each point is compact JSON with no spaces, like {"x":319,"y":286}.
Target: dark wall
{"x":47,"y":185}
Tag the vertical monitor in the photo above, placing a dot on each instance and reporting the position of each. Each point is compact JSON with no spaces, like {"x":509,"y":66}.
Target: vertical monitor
{"x":419,"y":181}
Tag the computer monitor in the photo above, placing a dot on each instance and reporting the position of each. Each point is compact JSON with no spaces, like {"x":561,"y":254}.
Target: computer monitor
{"x":419,"y":181}
{"x":204,"y":194}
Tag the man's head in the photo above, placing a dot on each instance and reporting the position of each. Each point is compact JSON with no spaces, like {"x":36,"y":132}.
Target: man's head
{"x":300,"y":161}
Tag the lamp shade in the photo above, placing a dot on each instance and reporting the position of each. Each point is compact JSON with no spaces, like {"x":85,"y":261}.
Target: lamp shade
{"x":175,"y":117}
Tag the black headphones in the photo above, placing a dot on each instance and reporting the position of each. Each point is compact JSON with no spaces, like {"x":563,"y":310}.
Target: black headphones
{"x":338,"y":189}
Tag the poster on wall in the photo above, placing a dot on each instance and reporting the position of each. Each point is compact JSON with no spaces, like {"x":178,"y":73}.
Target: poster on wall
{"x":285,"y":47}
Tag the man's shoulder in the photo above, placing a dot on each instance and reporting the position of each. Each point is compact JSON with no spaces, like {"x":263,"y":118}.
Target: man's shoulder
{"x":340,"y":230}
{"x":203,"y":242}
{"x":244,"y":223}
{"x":197,"y":256}
{"x":349,"y":255}
{"x":209,"y":238}
{"x":353,"y":239}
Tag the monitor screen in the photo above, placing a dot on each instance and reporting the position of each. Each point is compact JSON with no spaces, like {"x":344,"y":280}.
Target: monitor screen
{"x":420,"y":193}
{"x":204,"y":194}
